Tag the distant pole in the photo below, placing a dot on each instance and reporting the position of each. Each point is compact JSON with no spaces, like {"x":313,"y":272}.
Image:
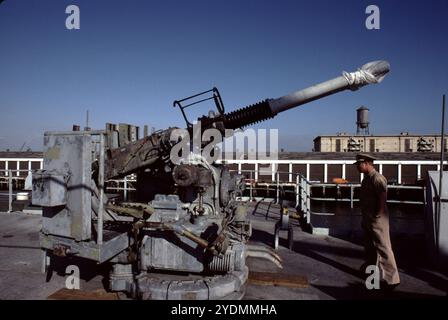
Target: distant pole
{"x":442,"y":155}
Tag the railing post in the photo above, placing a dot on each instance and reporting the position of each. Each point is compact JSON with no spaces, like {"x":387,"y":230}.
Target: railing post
{"x":308,"y":203}
{"x":125,"y":188}
{"x":424,"y":197}
{"x":351,"y":196}
{"x":278,"y":187}
{"x":303,"y":195}
{"x":297,"y":191}
{"x":250,"y":188}
{"x":325,"y":172}
{"x":10,"y":191}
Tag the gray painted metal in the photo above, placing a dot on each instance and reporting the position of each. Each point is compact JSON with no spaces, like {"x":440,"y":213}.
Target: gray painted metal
{"x":49,"y":189}
{"x":72,"y":133}
{"x":162,"y":251}
{"x":72,"y":201}
{"x":121,"y":277}
{"x":377,"y":68}
{"x":230,"y":286}
{"x":362,"y":117}
{"x":88,"y":249}
{"x":437,"y":217}
{"x":100,"y":212}
{"x":67,"y":156}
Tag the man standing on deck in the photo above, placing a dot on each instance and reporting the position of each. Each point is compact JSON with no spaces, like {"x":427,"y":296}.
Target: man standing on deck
{"x":375,"y":223}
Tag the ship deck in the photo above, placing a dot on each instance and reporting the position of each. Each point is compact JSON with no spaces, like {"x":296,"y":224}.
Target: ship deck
{"x":329,"y":265}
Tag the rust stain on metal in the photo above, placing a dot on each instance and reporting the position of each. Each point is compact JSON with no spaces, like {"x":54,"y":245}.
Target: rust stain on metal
{"x":189,"y":296}
{"x":60,"y":250}
{"x":278,"y":279}
{"x":52,"y":153}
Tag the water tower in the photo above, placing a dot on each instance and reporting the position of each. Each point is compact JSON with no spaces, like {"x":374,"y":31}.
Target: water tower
{"x":362,"y":121}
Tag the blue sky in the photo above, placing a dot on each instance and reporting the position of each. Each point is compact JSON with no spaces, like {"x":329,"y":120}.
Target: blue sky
{"x":131,"y":59}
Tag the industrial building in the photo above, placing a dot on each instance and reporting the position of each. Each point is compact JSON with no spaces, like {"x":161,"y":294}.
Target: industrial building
{"x":364,"y":141}
{"x":404,"y":142}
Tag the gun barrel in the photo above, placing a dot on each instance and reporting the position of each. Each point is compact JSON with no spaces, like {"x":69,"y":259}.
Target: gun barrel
{"x":372,"y":72}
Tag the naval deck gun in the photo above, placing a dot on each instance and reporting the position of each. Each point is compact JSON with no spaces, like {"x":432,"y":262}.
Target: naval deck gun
{"x":185,"y":235}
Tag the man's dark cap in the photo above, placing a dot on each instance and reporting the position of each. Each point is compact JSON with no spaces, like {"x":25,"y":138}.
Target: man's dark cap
{"x":362,"y":157}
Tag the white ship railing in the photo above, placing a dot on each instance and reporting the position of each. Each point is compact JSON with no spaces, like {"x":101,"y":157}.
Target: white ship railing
{"x":308,"y":163}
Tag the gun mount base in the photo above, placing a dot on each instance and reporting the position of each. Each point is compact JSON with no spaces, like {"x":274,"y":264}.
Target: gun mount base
{"x":158,"y":286}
